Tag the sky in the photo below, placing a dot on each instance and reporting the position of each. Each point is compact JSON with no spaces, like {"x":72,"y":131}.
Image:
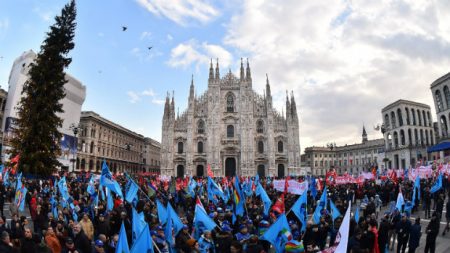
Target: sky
{"x":344,"y":59}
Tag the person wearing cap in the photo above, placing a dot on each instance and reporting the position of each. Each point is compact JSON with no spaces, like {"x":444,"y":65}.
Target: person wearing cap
{"x":182,"y":238}
{"x":69,"y":246}
{"x":206,"y":243}
{"x":99,"y":246}
{"x":102,"y":225}
{"x":5,"y":243}
{"x":160,"y":239}
{"x":223,"y":238}
{"x":243,"y":236}
{"x":253,"y":245}
{"x":52,"y":240}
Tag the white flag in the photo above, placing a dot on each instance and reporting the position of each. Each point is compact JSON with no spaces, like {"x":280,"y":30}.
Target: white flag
{"x":344,"y":231}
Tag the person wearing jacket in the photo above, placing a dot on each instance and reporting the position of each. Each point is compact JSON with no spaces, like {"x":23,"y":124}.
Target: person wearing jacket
{"x":87,"y":226}
{"x":206,"y":243}
{"x":432,"y":232}
{"x":383,"y":233}
{"x":414,"y":236}
{"x":5,"y":244}
{"x":403,"y":228}
{"x":81,"y":240}
{"x":52,"y":241}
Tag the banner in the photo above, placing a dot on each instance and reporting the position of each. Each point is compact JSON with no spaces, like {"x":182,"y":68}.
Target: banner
{"x":294,"y":186}
{"x":367,"y":175}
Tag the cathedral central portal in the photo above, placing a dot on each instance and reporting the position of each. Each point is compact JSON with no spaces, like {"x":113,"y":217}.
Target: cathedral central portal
{"x":230,"y":167}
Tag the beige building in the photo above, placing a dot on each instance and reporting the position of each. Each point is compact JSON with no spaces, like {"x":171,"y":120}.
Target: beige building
{"x":408,"y":131}
{"x":122,"y":149}
{"x":353,"y":159}
{"x":152,"y":155}
{"x":3,"y":96}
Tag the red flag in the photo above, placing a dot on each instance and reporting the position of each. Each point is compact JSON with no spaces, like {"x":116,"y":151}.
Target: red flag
{"x":279,"y":204}
{"x":393,"y":176}
{"x":15,"y":159}
{"x":374,"y":172}
{"x":209,"y":171}
{"x":286,"y":184}
{"x":330,"y":177}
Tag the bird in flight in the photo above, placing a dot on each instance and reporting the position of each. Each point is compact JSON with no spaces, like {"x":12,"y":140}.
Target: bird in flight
{"x":124,"y":28}
{"x":23,"y":65}
{"x":150,"y":48}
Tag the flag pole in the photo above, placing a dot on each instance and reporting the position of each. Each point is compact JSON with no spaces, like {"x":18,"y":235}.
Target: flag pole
{"x":126,"y":174}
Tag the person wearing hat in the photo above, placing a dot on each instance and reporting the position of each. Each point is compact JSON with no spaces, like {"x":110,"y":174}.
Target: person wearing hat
{"x":224,"y":238}
{"x":102,"y":225}
{"x":182,"y":238}
{"x":99,"y":246}
{"x":160,"y":239}
{"x":206,"y":243}
{"x":243,"y":236}
{"x":69,"y":246}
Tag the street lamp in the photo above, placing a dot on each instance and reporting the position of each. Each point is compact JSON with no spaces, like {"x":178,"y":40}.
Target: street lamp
{"x":75,"y":129}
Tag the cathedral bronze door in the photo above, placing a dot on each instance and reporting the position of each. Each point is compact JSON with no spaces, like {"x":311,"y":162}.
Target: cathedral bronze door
{"x":280,"y":170}
{"x":180,"y":171}
{"x":230,"y":167}
{"x":261,"y":170}
{"x":200,"y":171}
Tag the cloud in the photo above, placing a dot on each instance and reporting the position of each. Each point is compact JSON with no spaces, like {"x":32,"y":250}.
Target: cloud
{"x":145,"y":35}
{"x":144,"y":55}
{"x":137,"y":96}
{"x":134,"y":97}
{"x":182,"y":12}
{"x":45,"y":15}
{"x":343,"y":65}
{"x":4,"y":25}
{"x":193,"y":53}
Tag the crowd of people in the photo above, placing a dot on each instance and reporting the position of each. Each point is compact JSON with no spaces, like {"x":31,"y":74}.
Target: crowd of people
{"x":92,"y":223}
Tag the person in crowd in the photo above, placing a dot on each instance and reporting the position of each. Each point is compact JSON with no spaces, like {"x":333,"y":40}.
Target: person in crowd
{"x":69,"y":247}
{"x":432,"y":231}
{"x":5,"y":243}
{"x":52,"y":240}
{"x":28,"y":243}
{"x":81,"y":241}
{"x":87,"y":226}
{"x":414,"y":236}
{"x":403,"y":229}
{"x":206,"y":243}
{"x":447,"y":217}
{"x":383,"y":232}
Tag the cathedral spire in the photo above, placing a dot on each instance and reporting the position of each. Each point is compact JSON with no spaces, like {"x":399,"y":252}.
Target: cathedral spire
{"x":288,"y":106}
{"x":268,"y":86}
{"x":191,"y":90}
{"x":166,"y":106}
{"x":293,"y":106}
{"x":211,"y":71}
{"x":242,"y":70}
{"x":248,"y":74}
{"x":217,"y":70}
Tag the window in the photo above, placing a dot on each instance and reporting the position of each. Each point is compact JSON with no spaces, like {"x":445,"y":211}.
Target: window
{"x":260,"y":126}
{"x":400,"y":118}
{"x":439,"y":100}
{"x":413,"y":114}
{"x":230,"y":103}
{"x":260,"y":147}
{"x":180,"y":147}
{"x":200,"y":147}
{"x":230,"y":131}
{"x":280,"y":146}
{"x":407,"y":116}
{"x":201,"y":127}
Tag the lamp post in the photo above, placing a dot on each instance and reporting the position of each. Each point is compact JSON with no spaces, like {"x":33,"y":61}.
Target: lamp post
{"x":75,"y":129}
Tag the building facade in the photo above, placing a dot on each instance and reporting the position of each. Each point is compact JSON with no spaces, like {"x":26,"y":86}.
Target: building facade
{"x":408,"y":131}
{"x":231,"y":128}
{"x":122,"y":149}
{"x":152,"y":155}
{"x":3,"y":96}
{"x":72,"y":102}
{"x":440,"y":90}
{"x":351,"y":159}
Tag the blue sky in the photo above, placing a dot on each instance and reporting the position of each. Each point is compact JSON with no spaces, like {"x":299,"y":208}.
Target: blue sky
{"x":347,"y":59}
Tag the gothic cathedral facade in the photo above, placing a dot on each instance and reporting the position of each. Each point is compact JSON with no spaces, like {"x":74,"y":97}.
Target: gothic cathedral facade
{"x":230,"y":128}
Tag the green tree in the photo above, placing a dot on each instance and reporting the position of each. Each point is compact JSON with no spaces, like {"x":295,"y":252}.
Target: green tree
{"x":37,"y":138}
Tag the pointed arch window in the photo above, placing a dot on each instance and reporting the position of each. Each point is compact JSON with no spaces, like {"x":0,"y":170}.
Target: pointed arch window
{"x":230,"y":131}
{"x":180,"y":147}
{"x":200,"y":147}
{"x":260,"y":126}
{"x":201,"y":127}
{"x":230,"y":103}
{"x":260,"y":147}
{"x":280,"y":147}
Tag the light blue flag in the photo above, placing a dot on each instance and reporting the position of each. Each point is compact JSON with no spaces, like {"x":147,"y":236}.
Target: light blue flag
{"x":138,"y":224}
{"x":162,"y":212}
{"x":6,"y":178}
{"x":334,"y":211}
{"x":322,"y":205}
{"x":357,"y":214}
{"x":400,"y":201}
{"x":192,"y":186}
{"x":107,"y":181}
{"x":122,"y":244}
{"x":2,"y":167}
{"x":202,"y":222}
{"x":416,"y":189}
{"x":91,"y":186}
{"x":143,"y":244}
{"x":176,"y":221}
{"x":62,"y":186}
{"x":109,"y":200}
{"x":213,"y":190}
{"x":264,"y":197}
{"x":299,"y":209}
{"x":313,"y":187}
{"x":23,"y":193}
{"x":278,"y":234}
{"x":168,"y":230}
{"x":19,"y":181}
{"x":132,"y":189}
{"x":437,"y":186}
{"x":239,"y":198}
